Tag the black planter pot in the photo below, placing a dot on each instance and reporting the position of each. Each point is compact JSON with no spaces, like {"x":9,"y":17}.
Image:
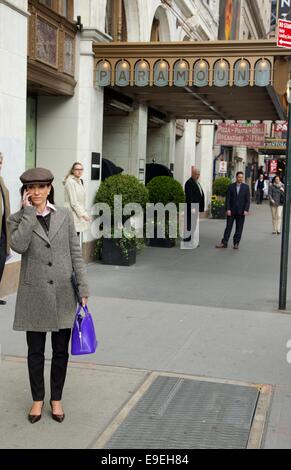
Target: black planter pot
{"x":112,"y":254}
{"x":161,"y":242}
{"x":218,"y":212}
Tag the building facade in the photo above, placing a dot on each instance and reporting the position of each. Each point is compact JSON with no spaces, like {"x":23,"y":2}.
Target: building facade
{"x":253,"y":22}
{"x":53,"y":111}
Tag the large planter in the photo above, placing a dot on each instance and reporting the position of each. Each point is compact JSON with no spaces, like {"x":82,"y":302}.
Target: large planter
{"x":218,"y":212}
{"x":113,"y":255}
{"x":161,"y":242}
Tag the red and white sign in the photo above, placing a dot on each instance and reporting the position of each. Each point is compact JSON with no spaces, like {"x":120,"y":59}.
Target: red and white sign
{"x":223,"y":167}
{"x":241,"y":135}
{"x":284,"y":34}
{"x":281,"y":127}
{"x":273,"y":166}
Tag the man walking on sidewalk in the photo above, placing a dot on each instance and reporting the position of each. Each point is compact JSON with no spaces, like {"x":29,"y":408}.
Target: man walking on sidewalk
{"x":238,"y":200}
{"x":4,"y":213}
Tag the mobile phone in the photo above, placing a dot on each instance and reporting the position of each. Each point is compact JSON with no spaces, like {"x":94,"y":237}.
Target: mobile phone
{"x":25,"y":194}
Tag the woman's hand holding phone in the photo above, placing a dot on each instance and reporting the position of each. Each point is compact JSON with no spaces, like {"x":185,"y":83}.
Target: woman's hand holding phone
{"x":26,"y":202}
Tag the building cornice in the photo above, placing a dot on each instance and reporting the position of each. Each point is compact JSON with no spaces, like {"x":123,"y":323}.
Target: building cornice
{"x":256,"y":48}
{"x":91,"y":34}
{"x":14,"y":7}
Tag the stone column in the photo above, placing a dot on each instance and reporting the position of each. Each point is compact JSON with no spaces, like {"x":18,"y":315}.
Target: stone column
{"x":125,"y":139}
{"x":13,"y":85}
{"x":70,"y":129}
{"x":204,"y":160}
{"x":186,"y":152}
{"x":161,"y":144}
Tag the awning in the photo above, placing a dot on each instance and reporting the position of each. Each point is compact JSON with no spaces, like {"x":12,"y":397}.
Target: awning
{"x":227,"y":80}
{"x":274,"y":147}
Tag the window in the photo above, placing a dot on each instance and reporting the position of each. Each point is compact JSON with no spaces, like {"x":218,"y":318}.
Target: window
{"x":116,"y":20}
{"x":155,"y":33}
{"x":63,"y":7}
{"x":48,"y":3}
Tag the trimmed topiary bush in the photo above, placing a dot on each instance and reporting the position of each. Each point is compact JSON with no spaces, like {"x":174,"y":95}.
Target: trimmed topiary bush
{"x":126,"y":186}
{"x":132,"y":191}
{"x":220,"y":186}
{"x":165,"y":189}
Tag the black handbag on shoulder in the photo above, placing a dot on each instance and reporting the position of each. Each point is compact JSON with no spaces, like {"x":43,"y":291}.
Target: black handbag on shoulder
{"x":282,"y":199}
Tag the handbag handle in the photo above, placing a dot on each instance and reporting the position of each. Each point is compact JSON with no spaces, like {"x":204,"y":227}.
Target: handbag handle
{"x":80,"y":307}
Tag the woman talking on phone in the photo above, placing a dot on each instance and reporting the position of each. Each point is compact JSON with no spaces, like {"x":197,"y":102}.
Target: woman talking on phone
{"x":45,"y":236}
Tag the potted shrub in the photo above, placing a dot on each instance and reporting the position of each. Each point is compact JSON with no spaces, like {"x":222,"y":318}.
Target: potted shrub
{"x":165,"y":190}
{"x":120,"y":251}
{"x":220,"y":186}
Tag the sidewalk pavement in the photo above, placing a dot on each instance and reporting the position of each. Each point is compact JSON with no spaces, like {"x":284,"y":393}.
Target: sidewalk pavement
{"x":207,"y":313}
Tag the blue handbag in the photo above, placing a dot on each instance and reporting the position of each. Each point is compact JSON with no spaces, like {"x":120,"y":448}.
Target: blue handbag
{"x":84,"y":339}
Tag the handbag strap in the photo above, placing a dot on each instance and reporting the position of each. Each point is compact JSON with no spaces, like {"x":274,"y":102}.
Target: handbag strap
{"x":80,"y":307}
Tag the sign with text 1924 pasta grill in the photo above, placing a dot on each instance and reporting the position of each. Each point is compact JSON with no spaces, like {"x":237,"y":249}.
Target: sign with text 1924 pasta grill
{"x":241,"y":135}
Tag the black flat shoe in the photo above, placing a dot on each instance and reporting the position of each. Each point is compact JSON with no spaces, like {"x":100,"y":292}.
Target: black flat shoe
{"x":34,"y":418}
{"x":58,"y":418}
{"x":3,"y":302}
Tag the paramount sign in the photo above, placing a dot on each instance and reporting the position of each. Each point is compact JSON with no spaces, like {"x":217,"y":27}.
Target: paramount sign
{"x":201,"y":74}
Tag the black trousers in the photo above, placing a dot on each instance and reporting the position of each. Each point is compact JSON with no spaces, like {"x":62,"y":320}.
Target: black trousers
{"x":239,"y":225}
{"x":35,"y":360}
{"x":2,"y":256}
{"x":260,"y":196}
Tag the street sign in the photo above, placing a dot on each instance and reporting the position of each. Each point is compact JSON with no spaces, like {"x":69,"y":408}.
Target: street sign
{"x":284,"y":9}
{"x":273,"y":167}
{"x":241,"y":135}
{"x":281,"y":127}
{"x":284,"y":34}
{"x":223,"y":167}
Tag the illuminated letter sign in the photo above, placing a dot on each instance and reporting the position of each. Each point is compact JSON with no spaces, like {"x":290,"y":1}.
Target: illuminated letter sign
{"x":122,"y":74}
{"x":161,"y":74}
{"x":242,"y":73}
{"x":142,"y":73}
{"x":181,"y":74}
{"x":263,"y":73}
{"x":103,"y":74}
{"x":201,"y":73}
{"x":221,"y":73}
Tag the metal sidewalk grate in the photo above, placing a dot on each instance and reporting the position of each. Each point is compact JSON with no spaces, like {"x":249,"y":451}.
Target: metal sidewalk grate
{"x":177,"y":413}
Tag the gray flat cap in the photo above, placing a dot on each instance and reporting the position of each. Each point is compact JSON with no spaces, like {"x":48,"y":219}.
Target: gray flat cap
{"x":36,"y":176}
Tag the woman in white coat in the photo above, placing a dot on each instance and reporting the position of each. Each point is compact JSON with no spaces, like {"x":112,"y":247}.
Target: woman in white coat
{"x":75,"y":198}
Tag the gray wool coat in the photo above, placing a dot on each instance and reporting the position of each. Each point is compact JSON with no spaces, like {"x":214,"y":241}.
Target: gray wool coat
{"x":45,"y":297}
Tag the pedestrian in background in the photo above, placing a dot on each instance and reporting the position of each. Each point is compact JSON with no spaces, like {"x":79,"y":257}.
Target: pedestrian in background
{"x":75,"y":198}
{"x":238,"y":199}
{"x":260,"y":188}
{"x":45,"y":236}
{"x":194,"y":195}
{"x":4,"y":213}
{"x":276,"y":199}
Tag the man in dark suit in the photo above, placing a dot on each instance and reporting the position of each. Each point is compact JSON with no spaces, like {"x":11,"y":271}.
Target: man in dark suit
{"x":194,"y":195}
{"x":238,"y":201}
{"x":4,"y":213}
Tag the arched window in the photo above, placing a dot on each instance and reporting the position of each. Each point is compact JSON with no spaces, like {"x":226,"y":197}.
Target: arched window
{"x":115,"y":22}
{"x":155,"y":33}
{"x":160,"y":30}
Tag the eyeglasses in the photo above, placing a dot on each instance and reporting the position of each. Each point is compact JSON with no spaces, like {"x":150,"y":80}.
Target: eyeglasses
{"x":78,"y":169}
